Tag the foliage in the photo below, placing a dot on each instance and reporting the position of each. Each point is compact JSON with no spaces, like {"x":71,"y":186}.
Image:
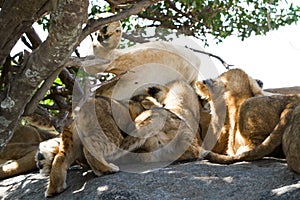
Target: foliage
{"x":203,"y":19}
{"x":222,"y":18}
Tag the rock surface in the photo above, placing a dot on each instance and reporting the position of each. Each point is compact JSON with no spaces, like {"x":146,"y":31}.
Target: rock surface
{"x":286,"y":90}
{"x":264,"y":179}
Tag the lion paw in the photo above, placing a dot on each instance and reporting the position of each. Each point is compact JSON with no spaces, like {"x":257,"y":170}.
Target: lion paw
{"x":46,"y":153}
{"x":109,"y":169}
{"x":113,"y":168}
{"x":52,"y":191}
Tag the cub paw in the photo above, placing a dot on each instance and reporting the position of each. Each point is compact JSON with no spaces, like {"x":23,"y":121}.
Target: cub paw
{"x":109,"y":169}
{"x":46,"y":153}
{"x":113,"y":168}
{"x":55,"y":190}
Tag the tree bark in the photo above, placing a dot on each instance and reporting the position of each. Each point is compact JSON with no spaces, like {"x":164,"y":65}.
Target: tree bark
{"x":66,"y":21}
{"x":15,"y":18}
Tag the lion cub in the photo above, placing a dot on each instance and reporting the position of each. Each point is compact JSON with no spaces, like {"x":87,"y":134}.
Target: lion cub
{"x":226,"y":94}
{"x":168,"y":130}
{"x":93,"y":135}
{"x":254,"y":125}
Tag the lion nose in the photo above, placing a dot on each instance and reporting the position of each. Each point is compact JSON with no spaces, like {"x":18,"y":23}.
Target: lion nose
{"x":208,"y":82}
{"x":260,"y":83}
{"x":40,"y":156}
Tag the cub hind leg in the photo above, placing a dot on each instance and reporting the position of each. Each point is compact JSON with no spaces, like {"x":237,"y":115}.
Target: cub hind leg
{"x":70,"y":149}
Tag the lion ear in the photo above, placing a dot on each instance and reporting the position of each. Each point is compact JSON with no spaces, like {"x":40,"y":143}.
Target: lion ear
{"x":255,"y":87}
{"x":199,"y":86}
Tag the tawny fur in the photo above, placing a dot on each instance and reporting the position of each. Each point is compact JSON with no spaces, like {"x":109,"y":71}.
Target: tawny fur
{"x":291,"y":141}
{"x":170,"y":131}
{"x":107,"y":38}
{"x":100,"y":138}
{"x":18,"y":156}
{"x":180,"y":130}
{"x":173,"y":62}
{"x":225,"y":95}
{"x":256,"y":125}
{"x":93,"y":142}
{"x":140,"y":61}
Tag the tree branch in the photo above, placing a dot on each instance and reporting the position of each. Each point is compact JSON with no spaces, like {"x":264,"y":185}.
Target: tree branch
{"x":93,"y":25}
{"x":132,"y":38}
{"x":38,"y":96}
{"x":33,"y":37}
{"x":227,"y":66}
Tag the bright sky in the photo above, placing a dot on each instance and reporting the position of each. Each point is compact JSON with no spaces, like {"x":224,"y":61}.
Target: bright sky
{"x":273,"y":58}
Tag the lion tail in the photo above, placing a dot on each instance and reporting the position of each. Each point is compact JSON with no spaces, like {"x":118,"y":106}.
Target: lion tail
{"x":260,"y":151}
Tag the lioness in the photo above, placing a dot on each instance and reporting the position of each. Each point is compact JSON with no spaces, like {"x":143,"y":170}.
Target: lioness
{"x":17,"y":156}
{"x":256,"y":125}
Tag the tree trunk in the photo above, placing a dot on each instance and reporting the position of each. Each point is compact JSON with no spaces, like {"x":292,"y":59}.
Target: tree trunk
{"x":66,"y":21}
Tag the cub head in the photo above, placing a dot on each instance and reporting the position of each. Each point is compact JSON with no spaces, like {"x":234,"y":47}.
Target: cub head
{"x":158,"y":92}
{"x":140,"y":103}
{"x":233,"y":83}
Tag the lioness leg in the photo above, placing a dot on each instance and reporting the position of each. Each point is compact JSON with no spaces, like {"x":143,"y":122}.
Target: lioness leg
{"x":70,"y":149}
{"x":265,"y":148}
{"x":24,"y":164}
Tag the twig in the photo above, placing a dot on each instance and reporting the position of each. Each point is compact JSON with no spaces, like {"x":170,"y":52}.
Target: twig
{"x":225,"y":64}
{"x":67,"y":78}
{"x":33,"y":37}
{"x":93,"y":25}
{"x":31,"y":106}
{"x":24,"y":40}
